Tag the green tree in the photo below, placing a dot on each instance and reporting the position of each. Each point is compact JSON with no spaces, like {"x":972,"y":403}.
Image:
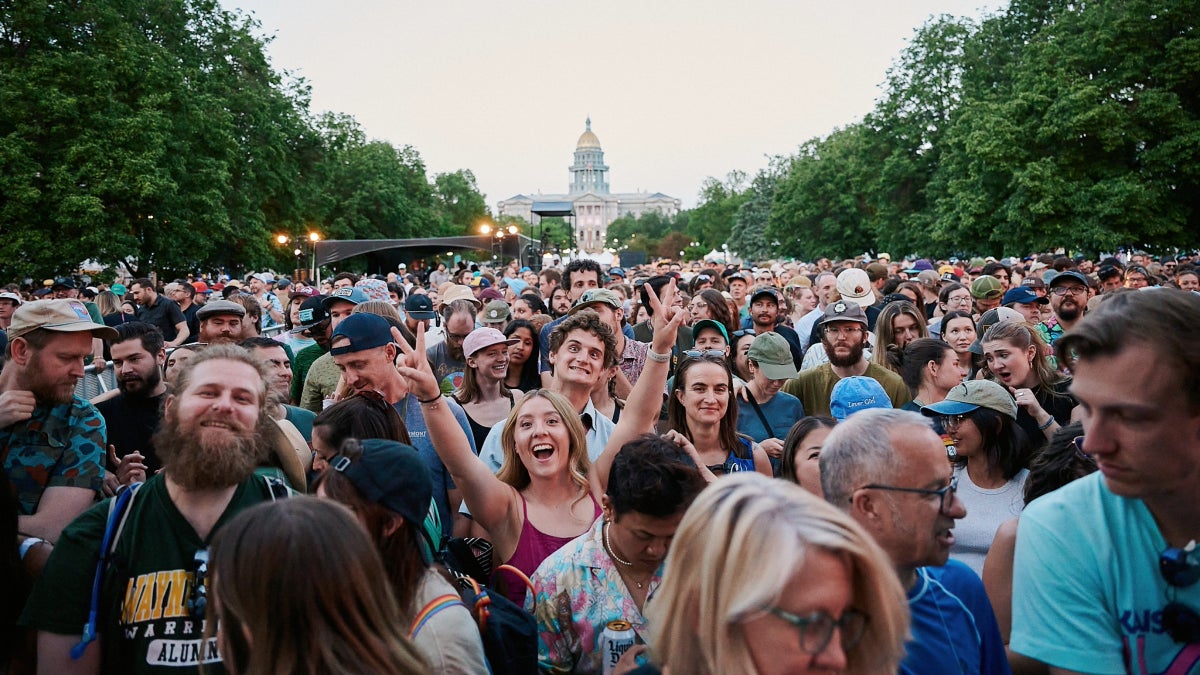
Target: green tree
{"x":748,"y":238}
{"x":711,"y":222}
{"x":460,"y":204}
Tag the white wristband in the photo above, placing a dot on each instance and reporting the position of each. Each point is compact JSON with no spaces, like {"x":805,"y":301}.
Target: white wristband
{"x":29,"y":543}
{"x":655,"y":356}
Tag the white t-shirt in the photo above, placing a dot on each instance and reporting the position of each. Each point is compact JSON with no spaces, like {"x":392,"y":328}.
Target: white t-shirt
{"x":986,"y":510}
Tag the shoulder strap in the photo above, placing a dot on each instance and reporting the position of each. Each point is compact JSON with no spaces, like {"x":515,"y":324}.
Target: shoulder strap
{"x":761,"y":417}
{"x":118,"y":512}
{"x":277,"y":488}
{"x":429,"y":611}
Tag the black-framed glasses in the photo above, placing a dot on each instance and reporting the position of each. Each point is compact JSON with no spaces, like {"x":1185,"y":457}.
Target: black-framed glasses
{"x":816,"y":629}
{"x":455,"y":337}
{"x":1073,"y":290}
{"x":699,"y":354}
{"x":1179,"y":621}
{"x":198,"y":598}
{"x":943,"y":494}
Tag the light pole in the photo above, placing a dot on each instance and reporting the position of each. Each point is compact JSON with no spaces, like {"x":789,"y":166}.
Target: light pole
{"x":297,"y":244}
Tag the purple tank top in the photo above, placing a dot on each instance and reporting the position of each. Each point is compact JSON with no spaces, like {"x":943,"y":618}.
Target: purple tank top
{"x":533,"y":547}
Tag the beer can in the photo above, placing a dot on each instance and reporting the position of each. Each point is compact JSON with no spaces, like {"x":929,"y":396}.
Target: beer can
{"x":617,"y":638}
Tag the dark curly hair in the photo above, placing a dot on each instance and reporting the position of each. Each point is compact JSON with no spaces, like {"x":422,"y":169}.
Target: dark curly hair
{"x":653,"y":476}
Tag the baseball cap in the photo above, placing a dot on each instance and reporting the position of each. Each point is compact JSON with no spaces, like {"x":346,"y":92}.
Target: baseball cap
{"x":63,"y":282}
{"x":265,"y":277}
{"x":855,"y":394}
{"x":283,"y":282}
{"x":596,"y":296}
{"x":518,"y":286}
{"x":11,"y":296}
{"x":355,"y":296}
{"x":419,"y":307}
{"x":496,"y":311}
{"x":737,"y":275}
{"x":489,"y":294}
{"x":304,"y":292}
{"x":1068,"y":275}
{"x":364,"y":331}
{"x":117,"y":289}
{"x":773,"y":356}
{"x":844,"y":311}
{"x":973,"y":395}
{"x":220,"y":307}
{"x":481,"y":282}
{"x":876,"y":271}
{"x":482,"y":338}
{"x":59,"y":316}
{"x":709,"y":323}
{"x":200,"y":287}
{"x":991,"y":318}
{"x":1022,"y":295}
{"x":986,"y":287}
{"x":929,"y":278}
{"x":1109,"y":272}
{"x":766,"y":291}
{"x":312,"y":312}
{"x":391,"y":474}
{"x":1033,"y":281}
{"x":374,"y":289}
{"x":855,"y":286}
{"x":616,"y":272}
{"x":922,"y":265}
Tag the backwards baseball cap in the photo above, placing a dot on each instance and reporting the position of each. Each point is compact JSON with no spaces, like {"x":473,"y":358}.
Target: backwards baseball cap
{"x":773,"y":356}
{"x":709,"y":323}
{"x":354,"y":296}
{"x":482,"y":338}
{"x":991,"y":318}
{"x":364,"y":331}
{"x":1023,"y":295}
{"x":59,"y":316}
{"x":389,"y":473}
{"x":844,"y":311}
{"x":855,"y":286}
{"x":596,"y":296}
{"x":220,"y":307}
{"x":855,"y":394}
{"x":971,"y":396}
{"x":312,"y":312}
{"x":987,"y":287}
{"x":419,"y":307}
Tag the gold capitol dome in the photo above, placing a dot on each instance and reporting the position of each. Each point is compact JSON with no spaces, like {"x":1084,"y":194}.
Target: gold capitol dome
{"x":588,"y":139}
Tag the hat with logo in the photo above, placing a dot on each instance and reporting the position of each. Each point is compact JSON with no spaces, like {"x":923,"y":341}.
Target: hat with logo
{"x":1033,"y":281}
{"x":354,"y":296}
{"x":362,"y":331}
{"x":391,"y":474}
{"x":971,"y":396}
{"x":419,"y":307}
{"x":596,"y":296}
{"x":844,"y":311}
{"x":991,"y":318}
{"x":299,"y":291}
{"x":496,"y":311}
{"x":59,"y":316}
{"x":855,"y":286}
{"x":773,"y":356}
{"x":1068,"y":275}
{"x":217,"y":307}
{"x":703,"y":324}
{"x":312,"y":312}
{"x":459,"y":292}
{"x":987,"y":287}
{"x":1022,"y":295}
{"x":11,"y":296}
{"x":855,"y":394}
{"x":482,"y":338}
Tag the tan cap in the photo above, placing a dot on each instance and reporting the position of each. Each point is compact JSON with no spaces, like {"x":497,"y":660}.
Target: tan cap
{"x":60,"y":316}
{"x":458,"y":292}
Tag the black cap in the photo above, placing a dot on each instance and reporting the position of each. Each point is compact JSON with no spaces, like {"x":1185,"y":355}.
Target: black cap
{"x":312,"y":312}
{"x":63,"y":282}
{"x":419,"y":307}
{"x":1068,"y":275}
{"x":391,"y":474}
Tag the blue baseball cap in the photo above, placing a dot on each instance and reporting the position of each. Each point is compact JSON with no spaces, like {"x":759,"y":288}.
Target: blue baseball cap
{"x":1022,"y":295}
{"x":364,"y":331}
{"x":856,"y":394}
{"x":353,"y":295}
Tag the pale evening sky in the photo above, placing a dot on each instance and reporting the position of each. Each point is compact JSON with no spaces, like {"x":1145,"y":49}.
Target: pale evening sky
{"x":677,"y":91}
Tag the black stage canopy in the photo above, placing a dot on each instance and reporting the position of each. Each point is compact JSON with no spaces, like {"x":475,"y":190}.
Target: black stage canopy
{"x":383,"y":255}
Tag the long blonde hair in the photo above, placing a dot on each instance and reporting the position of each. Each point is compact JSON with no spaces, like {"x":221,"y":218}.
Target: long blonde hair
{"x":714,"y":584}
{"x":514,"y":472}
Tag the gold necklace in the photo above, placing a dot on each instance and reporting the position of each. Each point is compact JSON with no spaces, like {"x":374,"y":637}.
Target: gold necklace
{"x":609,"y":549}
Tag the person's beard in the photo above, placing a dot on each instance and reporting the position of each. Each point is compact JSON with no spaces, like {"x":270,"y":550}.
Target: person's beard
{"x":455,"y":351}
{"x":136,"y":385}
{"x":856,"y":353}
{"x":47,"y":391}
{"x":1069,"y":313}
{"x":206,"y":458}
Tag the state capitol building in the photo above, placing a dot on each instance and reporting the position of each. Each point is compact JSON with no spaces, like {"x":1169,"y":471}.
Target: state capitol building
{"x":594,"y":206}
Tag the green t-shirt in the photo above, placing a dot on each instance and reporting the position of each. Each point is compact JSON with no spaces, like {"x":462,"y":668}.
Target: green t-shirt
{"x":814,"y":386}
{"x":144,"y":621}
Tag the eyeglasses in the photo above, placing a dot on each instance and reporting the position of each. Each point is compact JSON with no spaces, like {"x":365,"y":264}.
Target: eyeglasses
{"x":816,"y":629}
{"x":696,"y":304}
{"x":959,"y":300}
{"x":699,"y":354}
{"x":942,"y":494}
{"x":952,"y":421}
{"x":1181,"y":622}
{"x":198,"y":598}
{"x":455,"y":337}
{"x":743,"y":332}
{"x":1064,"y":290}
{"x":842,"y":330}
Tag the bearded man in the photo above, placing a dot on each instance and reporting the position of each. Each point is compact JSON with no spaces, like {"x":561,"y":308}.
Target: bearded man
{"x":52,"y":441}
{"x":152,"y":605}
{"x":132,"y":415}
{"x":843,"y":331}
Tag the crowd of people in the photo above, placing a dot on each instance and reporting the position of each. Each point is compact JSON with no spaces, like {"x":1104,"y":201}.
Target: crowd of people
{"x":864,"y":466}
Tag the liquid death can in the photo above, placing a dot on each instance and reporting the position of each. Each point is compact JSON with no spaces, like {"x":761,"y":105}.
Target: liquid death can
{"x":617,"y":638}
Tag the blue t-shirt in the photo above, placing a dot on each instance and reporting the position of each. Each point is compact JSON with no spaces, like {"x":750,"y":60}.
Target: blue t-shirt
{"x":782,"y":411}
{"x":410,"y":410}
{"x":954,"y":630}
{"x":1087,"y":592}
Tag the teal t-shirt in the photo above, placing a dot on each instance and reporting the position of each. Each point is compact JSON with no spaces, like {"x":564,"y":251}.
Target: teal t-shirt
{"x":1087,"y":592}
{"x":146,"y":623}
